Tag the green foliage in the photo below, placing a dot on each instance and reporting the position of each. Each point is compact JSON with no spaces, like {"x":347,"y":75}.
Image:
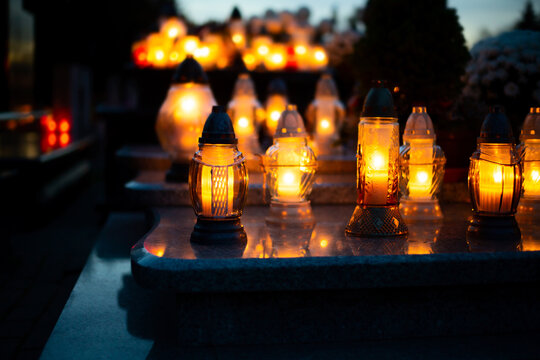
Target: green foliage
{"x":417,"y":45}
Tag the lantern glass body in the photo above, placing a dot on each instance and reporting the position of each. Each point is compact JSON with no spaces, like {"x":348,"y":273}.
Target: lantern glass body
{"x":290,"y":167}
{"x":422,"y":170}
{"x":245,"y":112}
{"x":275,"y":105}
{"x":181,"y":119}
{"x":495,"y":179}
{"x":531,"y":169}
{"x":378,"y":161}
{"x":218,"y":182}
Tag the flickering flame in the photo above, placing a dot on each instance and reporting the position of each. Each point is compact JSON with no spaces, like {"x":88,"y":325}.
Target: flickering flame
{"x":277,"y":58}
{"x":188,"y":104}
{"x":300,"y":50}
{"x":64,"y":139}
{"x":160,"y":55}
{"x":320,"y":55}
{"x":288,"y":178}
{"x":202,"y":52}
{"x":243,"y":122}
{"x":325,"y":124}
{"x":64,"y":126}
{"x":237,"y":38}
{"x":263,"y":50}
{"x":324,"y":243}
{"x":422,"y":177}
{"x":378,"y":161}
{"x":274,"y":115}
{"x":535,"y":176}
{"x":51,"y":125}
{"x":497,"y":176}
{"x":173,"y":32}
{"x":174,"y":56}
{"x":190,"y":46}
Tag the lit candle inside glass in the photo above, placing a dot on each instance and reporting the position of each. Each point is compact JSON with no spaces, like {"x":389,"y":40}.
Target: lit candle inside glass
{"x":420,"y":169}
{"x":217,"y":182}
{"x":275,"y":105}
{"x":495,"y":181}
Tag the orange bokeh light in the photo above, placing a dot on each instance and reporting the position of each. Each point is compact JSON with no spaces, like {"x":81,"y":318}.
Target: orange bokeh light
{"x":51,"y":139}
{"x":64,"y":139}
{"x":64,"y":125}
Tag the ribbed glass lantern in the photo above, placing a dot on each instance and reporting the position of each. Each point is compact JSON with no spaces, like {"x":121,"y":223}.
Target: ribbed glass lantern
{"x":325,"y":116}
{"x":290,"y":166}
{"x":529,"y":148}
{"x":495,"y":178}
{"x":182,"y":115}
{"x":422,"y":168}
{"x":377,"y":210}
{"x":218,"y":182}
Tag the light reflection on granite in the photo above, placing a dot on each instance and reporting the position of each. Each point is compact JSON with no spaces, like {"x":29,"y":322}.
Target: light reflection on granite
{"x":170,"y":239}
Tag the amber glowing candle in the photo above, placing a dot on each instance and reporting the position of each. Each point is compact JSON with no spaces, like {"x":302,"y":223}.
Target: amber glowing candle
{"x":218,"y":183}
{"x":325,"y":115}
{"x":377,"y":212}
{"x":275,"y":104}
{"x":422,"y":168}
{"x":529,"y":149}
{"x":495,"y":179}
{"x":182,"y":114}
{"x":290,"y":166}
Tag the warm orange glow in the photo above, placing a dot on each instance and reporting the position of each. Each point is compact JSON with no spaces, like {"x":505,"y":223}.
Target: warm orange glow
{"x":174,"y":56}
{"x":320,"y":55}
{"x":277,"y":58}
{"x":274,"y":115}
{"x":324,"y":243}
{"x":190,"y":44}
{"x":51,"y":139}
{"x":64,"y":125}
{"x":263,"y":50}
{"x":188,"y":104}
{"x":51,"y":125}
{"x":243,"y":122}
{"x":217,"y":181}
{"x":64,"y":139}
{"x":531,"y":169}
{"x":300,"y":49}
{"x":420,"y":169}
{"x":237,"y":39}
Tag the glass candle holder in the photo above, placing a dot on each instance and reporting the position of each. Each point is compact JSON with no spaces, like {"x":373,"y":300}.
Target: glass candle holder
{"x":276,"y":103}
{"x":325,"y":116}
{"x":218,"y":183}
{"x":290,"y":166}
{"x":246,"y":114}
{"x":495,"y":177}
{"x":377,"y":210}
{"x":422,"y":168}
{"x":529,"y":149}
{"x":182,"y":115}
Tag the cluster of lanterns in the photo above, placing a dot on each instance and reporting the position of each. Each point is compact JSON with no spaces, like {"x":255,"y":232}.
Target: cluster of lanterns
{"x":171,"y":45}
{"x":218,"y":178}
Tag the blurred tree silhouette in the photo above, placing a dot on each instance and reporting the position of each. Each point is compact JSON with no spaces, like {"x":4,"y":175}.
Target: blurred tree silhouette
{"x":528,"y":20}
{"x":418,"y":45}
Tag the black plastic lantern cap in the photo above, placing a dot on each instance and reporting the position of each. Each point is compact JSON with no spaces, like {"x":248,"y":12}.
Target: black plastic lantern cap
{"x":218,"y":128}
{"x":277,"y":87}
{"x":236,"y":15}
{"x":496,"y":128}
{"x":379,"y":102}
{"x":189,"y":70}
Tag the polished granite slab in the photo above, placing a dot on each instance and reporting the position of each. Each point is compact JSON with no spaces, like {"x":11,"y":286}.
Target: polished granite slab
{"x":322,"y":257}
{"x":108,"y":316}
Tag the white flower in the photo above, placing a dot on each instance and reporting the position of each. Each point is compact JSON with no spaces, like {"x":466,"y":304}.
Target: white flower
{"x":511,"y":89}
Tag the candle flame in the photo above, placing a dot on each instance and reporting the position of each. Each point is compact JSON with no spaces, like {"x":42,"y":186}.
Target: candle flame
{"x":422,"y":177}
{"x":324,"y":243}
{"x":237,"y":38}
{"x":535,"y":176}
{"x":288,"y":178}
{"x":188,"y":104}
{"x":320,"y":55}
{"x":497,"y":176}
{"x":277,"y":58}
{"x":243,"y":122}
{"x":190,"y":46}
{"x":325,"y":124}
{"x":263,"y":50}
{"x":173,"y":32}
{"x":300,"y":49}
{"x":378,"y":161}
{"x":160,"y":55}
{"x":274,"y":115}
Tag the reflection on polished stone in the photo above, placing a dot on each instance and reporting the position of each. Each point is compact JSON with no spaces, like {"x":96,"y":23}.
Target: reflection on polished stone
{"x":221,"y":251}
{"x":422,"y":236}
{"x":493,"y":234}
{"x":365,"y":246}
{"x":287,"y":240}
{"x":530,"y":229}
